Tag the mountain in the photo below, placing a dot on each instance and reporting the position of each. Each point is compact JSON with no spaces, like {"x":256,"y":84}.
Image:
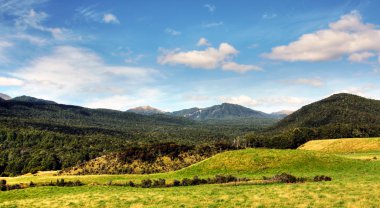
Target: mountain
{"x":338,"y":109}
{"x":281,"y":114}
{"x":145,"y":110}
{"x":4,"y":96}
{"x":223,"y":111}
{"x":29,"y":99}
{"x":42,"y":135}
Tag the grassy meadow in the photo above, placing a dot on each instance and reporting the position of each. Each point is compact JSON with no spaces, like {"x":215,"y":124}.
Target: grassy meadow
{"x":356,"y":183}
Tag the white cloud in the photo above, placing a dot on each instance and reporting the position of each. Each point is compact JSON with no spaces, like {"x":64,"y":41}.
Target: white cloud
{"x":70,"y":72}
{"x":240,"y":100}
{"x":241,"y":68}
{"x":195,"y":97}
{"x":203,"y":42}
{"x":212,"y":24}
{"x":211,"y":8}
{"x":210,"y":58}
{"x":30,"y":38}
{"x":248,"y":101}
{"x":110,"y":18}
{"x":33,"y":19}
{"x":347,"y":36}
{"x":269,"y":16}
{"x":8,"y":82}
{"x":3,"y":46}
{"x":173,"y":32}
{"x":360,"y":57}
{"x":306,"y":81}
{"x":117,"y":102}
{"x":145,"y":96}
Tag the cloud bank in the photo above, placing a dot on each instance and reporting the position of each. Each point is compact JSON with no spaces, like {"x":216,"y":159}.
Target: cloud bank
{"x":349,"y":36}
{"x":210,"y":58}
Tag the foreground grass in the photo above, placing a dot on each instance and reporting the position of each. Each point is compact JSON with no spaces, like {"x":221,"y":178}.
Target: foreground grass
{"x":356,"y":183}
{"x":337,"y":193}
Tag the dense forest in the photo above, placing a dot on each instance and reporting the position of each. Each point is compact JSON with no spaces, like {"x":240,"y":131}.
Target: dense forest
{"x":43,"y":135}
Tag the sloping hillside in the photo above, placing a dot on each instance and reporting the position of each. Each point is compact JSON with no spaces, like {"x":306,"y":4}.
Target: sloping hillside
{"x":337,"y":109}
{"x":343,"y":145}
{"x":269,"y":161}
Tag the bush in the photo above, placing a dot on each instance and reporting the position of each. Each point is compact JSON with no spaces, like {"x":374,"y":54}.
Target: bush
{"x":176,"y":183}
{"x":146,"y":183}
{"x":3,"y":185}
{"x":31,"y":184}
{"x":159,"y":183}
{"x":285,"y":178}
{"x":322,"y":178}
{"x":186,"y":182}
{"x":131,"y":184}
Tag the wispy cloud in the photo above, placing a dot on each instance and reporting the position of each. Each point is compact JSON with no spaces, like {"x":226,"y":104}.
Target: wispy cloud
{"x":361,"y":57}
{"x":91,"y":13}
{"x":33,"y":19}
{"x":211,"y":8}
{"x":268,"y":16}
{"x":172,"y":31}
{"x":3,"y":46}
{"x":248,"y":101}
{"x":10,"y":82}
{"x":212,"y":24}
{"x":210,"y":58}
{"x":75,"y":72}
{"x":347,"y":36}
{"x":314,"y":82}
{"x":110,"y":18}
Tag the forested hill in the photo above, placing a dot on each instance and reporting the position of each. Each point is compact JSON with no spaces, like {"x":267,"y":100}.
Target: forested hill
{"x":42,"y":135}
{"x":337,"y":109}
{"x":338,"y":116}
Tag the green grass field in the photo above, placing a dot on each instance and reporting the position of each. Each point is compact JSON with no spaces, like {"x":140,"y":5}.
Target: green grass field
{"x":356,"y":183}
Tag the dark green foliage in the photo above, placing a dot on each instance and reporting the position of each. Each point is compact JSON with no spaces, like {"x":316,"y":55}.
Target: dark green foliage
{"x":322,"y":178}
{"x":285,"y":178}
{"x":176,"y":183}
{"x":159,"y":183}
{"x":338,"y":116}
{"x":37,"y":135}
{"x":131,"y":184}
{"x":147,"y":183}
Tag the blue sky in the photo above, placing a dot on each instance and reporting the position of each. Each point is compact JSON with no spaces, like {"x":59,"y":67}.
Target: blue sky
{"x":266,"y":55}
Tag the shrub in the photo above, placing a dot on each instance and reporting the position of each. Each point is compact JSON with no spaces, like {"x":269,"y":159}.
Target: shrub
{"x":31,"y":184}
{"x":322,"y":178}
{"x":176,"y":183}
{"x":131,"y":184}
{"x":159,"y":183}
{"x":147,"y":183}
{"x":285,"y":178}
{"x":3,"y":185}
{"x":186,"y":182}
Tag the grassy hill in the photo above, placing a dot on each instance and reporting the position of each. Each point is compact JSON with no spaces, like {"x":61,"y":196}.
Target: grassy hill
{"x":355,"y":184}
{"x":343,"y":145}
{"x":252,"y":163}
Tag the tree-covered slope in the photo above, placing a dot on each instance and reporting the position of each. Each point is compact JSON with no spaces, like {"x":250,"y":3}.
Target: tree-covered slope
{"x":337,"y":109}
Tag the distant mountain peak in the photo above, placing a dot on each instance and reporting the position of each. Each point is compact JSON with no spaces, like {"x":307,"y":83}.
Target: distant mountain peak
{"x":30,"y":99}
{"x":222,"y":111}
{"x":145,"y":110}
{"x":4,"y":96}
